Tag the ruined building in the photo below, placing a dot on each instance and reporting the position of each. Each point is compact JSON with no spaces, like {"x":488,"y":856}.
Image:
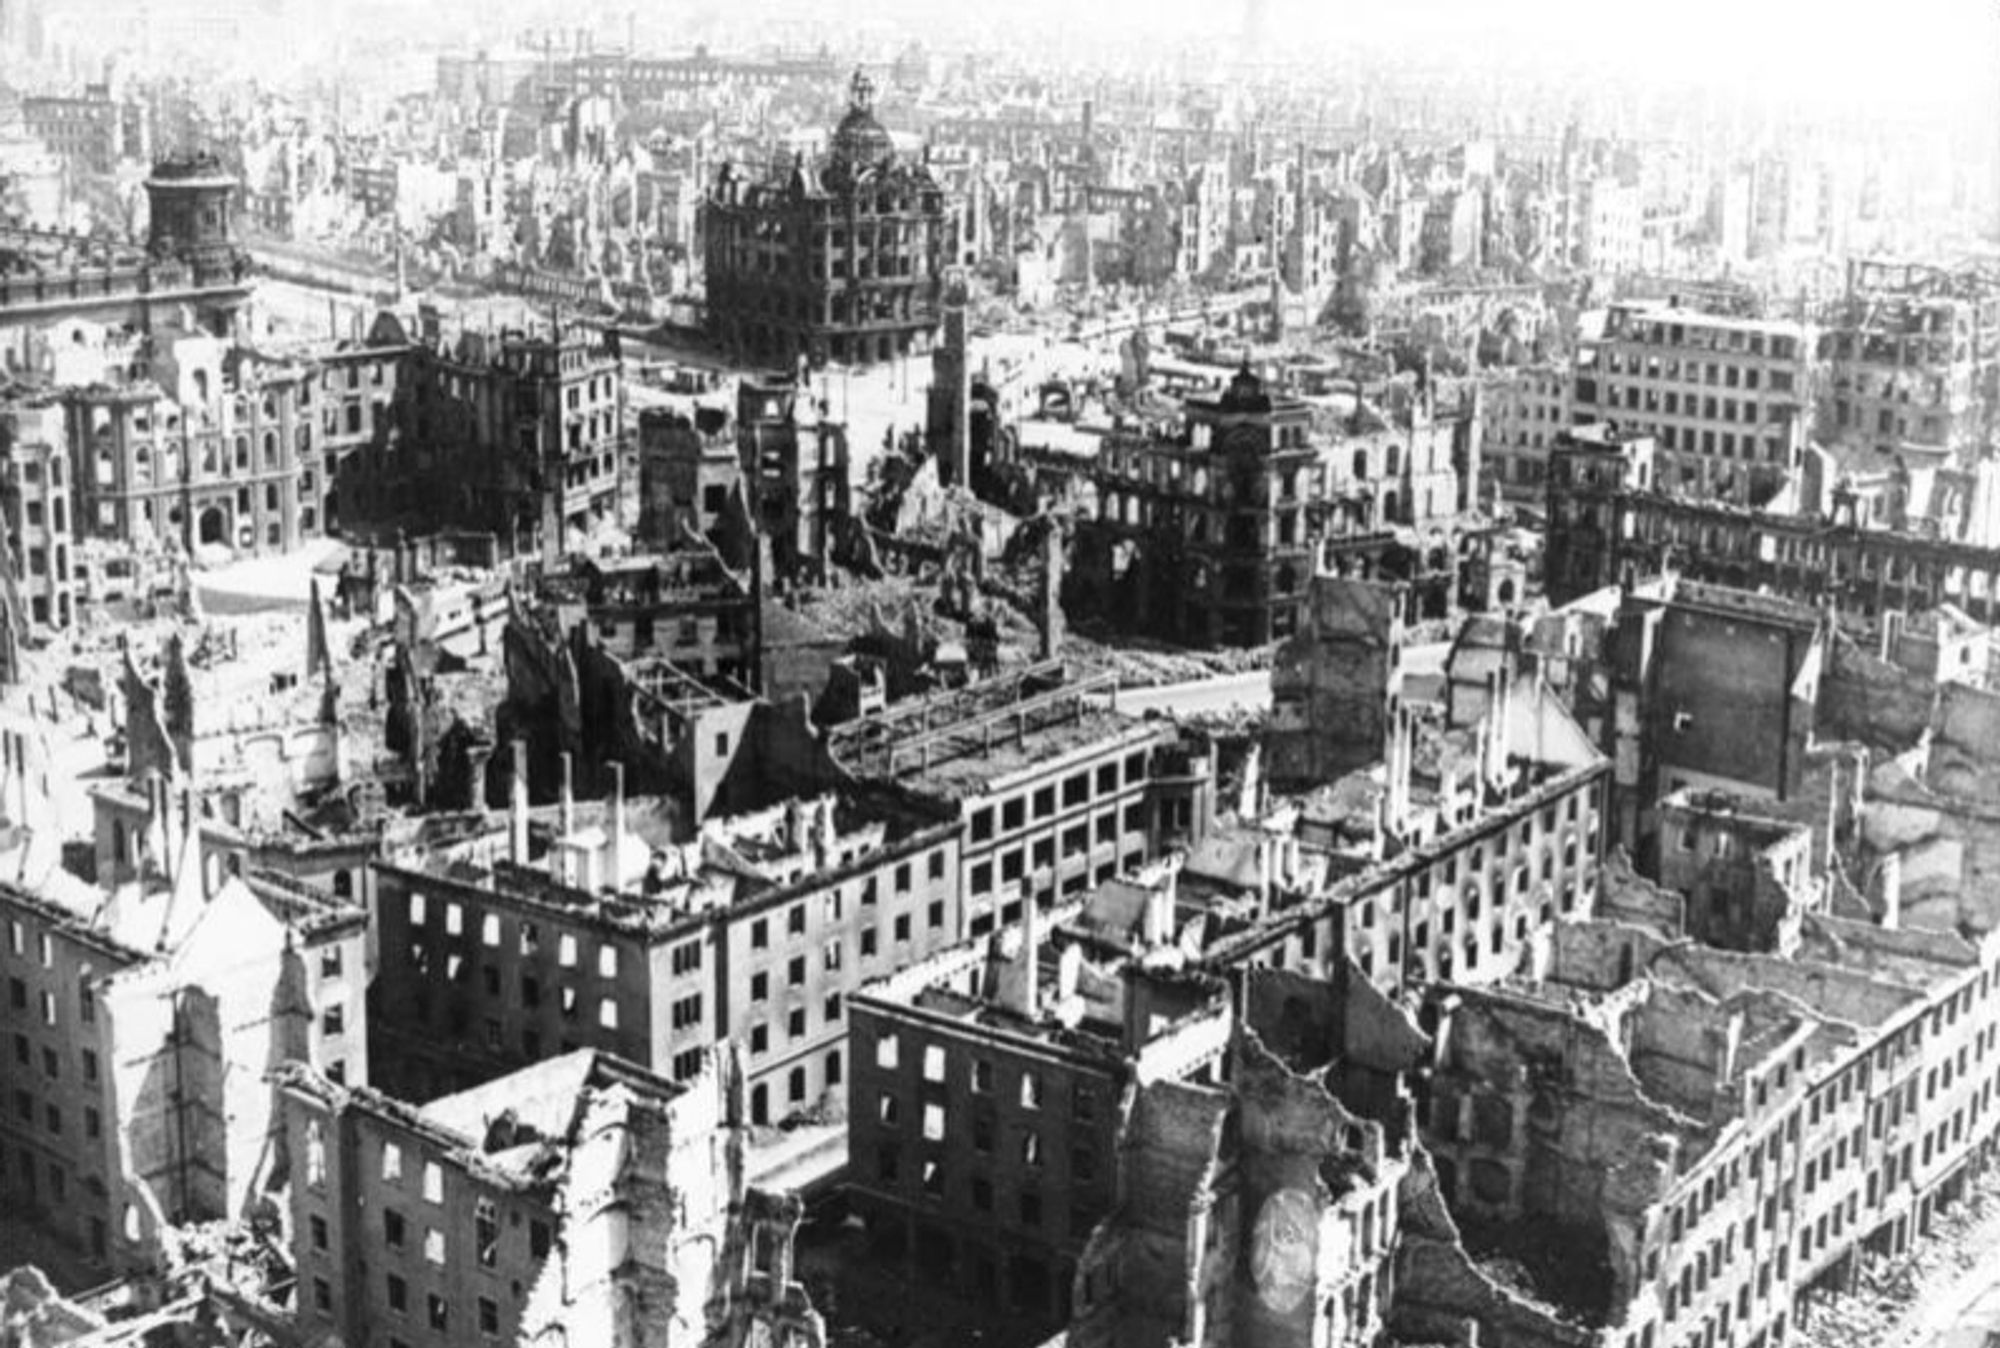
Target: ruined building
{"x":837,"y":261}
{"x":143,"y":1019}
{"x":1666,"y":1140}
{"x":1333,"y":684}
{"x":796,"y":468}
{"x":1265,"y":1208}
{"x":190,"y":261}
{"x":1912,"y":359}
{"x":1452,"y":857}
{"x":985,"y":1103}
{"x":1608,"y":524}
{"x":628,"y":936}
{"x":1728,"y":398}
{"x":516,"y":434}
{"x":1209,"y":530}
{"x":1054,"y":793}
{"x":583,"y":1198}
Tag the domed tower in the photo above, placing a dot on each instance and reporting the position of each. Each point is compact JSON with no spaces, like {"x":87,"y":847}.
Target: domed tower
{"x":189,"y":201}
{"x":859,"y":142}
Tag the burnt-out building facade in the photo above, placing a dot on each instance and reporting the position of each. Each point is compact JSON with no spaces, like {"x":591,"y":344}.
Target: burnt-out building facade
{"x":839,"y":261}
{"x":582,"y":1198}
{"x":986,"y":1102}
{"x":1054,"y":793}
{"x":1208,"y":530}
{"x":518,"y":434}
{"x":1609,"y":524}
{"x":753,"y":931}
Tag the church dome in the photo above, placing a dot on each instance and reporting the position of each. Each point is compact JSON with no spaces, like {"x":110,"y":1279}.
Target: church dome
{"x":859,"y":142}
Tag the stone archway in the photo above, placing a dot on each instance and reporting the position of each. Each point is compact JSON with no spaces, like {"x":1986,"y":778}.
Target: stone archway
{"x":212,"y":526}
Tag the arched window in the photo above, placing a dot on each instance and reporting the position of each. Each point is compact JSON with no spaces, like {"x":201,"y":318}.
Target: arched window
{"x":1361,"y":464}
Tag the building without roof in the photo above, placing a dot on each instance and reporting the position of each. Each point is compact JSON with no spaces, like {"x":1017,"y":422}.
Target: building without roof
{"x":1481,"y":828}
{"x":1266,"y":1206}
{"x":143,"y":1019}
{"x":1055,"y":792}
{"x":1209,"y":530}
{"x":1912,"y":356}
{"x":985,"y":1102}
{"x":1695,"y":1139}
{"x":655,"y":946}
{"x":582,"y":1197}
{"x":1727,"y":398}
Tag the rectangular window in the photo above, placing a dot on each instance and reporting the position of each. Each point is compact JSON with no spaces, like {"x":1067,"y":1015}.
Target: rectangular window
{"x":687,"y":1011}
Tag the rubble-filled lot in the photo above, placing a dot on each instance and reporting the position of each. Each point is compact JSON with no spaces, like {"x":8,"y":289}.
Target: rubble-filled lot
{"x":1913,"y":1301}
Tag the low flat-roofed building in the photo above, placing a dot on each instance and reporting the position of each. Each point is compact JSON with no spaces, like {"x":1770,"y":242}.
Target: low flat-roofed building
{"x":1056,"y":792}
{"x":582,"y":1196}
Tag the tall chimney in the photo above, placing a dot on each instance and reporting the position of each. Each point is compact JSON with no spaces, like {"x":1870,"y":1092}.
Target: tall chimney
{"x":517,"y":807}
{"x":565,"y":856}
{"x":1031,"y":957}
{"x":616,"y":858}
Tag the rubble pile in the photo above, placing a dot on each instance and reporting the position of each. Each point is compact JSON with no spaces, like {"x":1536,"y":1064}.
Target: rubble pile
{"x":1144,"y":664}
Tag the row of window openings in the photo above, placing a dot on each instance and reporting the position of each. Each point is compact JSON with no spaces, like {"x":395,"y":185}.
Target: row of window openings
{"x":981,"y":1077}
{"x":889,"y":1169}
{"x":568,"y":950}
{"x":1075,"y":792}
{"x":889,"y":1113}
{"x":17,"y":999}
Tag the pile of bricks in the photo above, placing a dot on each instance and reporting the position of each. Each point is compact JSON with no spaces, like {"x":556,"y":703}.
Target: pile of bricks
{"x":1896,"y":1303}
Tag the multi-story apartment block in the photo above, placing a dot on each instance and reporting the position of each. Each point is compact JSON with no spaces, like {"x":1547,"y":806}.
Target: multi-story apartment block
{"x":1613,"y":235}
{"x":519,"y":434}
{"x":582,"y":1198}
{"x":841,"y":261}
{"x":1911,"y":354}
{"x":35,"y":505}
{"x":1208,"y":531}
{"x":1772,"y":1116}
{"x":684,"y":606}
{"x":985,"y":1105}
{"x":1726,"y":398}
{"x":357,"y":387}
{"x":1912,"y":360}
{"x":212,"y":451}
{"x":1054,"y":793}
{"x":140,"y":1023}
{"x":1525,"y":409}
{"x":754,"y":931}
{"x":87,"y":130}
{"x":1485,"y":828}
